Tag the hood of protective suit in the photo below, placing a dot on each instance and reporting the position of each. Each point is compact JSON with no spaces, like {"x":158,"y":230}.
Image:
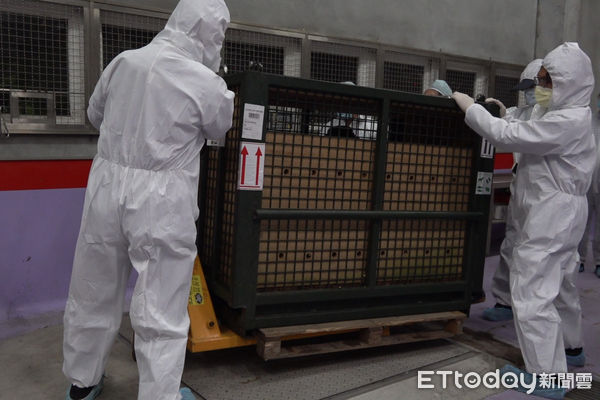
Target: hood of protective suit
{"x":572,"y":76}
{"x":531,"y":69}
{"x":198,"y":27}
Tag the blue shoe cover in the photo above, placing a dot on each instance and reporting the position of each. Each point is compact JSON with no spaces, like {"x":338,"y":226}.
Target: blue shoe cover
{"x":597,"y":271}
{"x":186,"y":394}
{"x":497,"y":314}
{"x":547,"y":393}
{"x":93,"y":394}
{"x":576,"y":361}
{"x":581,"y":267}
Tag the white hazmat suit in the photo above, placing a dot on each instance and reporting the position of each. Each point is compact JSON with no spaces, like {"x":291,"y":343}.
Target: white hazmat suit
{"x":154,"y":108}
{"x":593,"y":207}
{"x":500,"y":282}
{"x":549,"y":206}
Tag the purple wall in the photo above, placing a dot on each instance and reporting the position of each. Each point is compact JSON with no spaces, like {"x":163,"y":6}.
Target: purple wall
{"x":38,"y":232}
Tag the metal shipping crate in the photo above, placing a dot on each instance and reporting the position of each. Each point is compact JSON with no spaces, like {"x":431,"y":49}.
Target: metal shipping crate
{"x":333,"y":202}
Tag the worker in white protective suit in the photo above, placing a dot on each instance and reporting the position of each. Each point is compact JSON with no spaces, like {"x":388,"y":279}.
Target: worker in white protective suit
{"x":593,"y":196}
{"x":502,"y":311}
{"x":549,"y":206}
{"x":154,"y":108}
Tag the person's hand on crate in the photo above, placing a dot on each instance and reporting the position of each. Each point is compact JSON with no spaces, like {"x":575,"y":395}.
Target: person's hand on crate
{"x":499,"y":103}
{"x":462,"y":100}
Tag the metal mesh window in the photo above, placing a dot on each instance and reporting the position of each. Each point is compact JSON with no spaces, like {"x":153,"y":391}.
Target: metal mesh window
{"x":503,"y":92}
{"x":340,"y":63}
{"x":333,"y":67}
{"x":429,"y":158}
{"x":461,"y":81}
{"x":231,"y":152}
{"x":428,"y":169}
{"x":321,"y":151}
{"x":41,"y":62}
{"x":327,"y":148}
{"x":403,"y":77}
{"x":240,"y":57}
{"x":208,"y":218}
{"x":273,"y":54}
{"x":122,"y":32}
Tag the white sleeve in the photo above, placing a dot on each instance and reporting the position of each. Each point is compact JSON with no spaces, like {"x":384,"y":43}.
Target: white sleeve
{"x":95,"y":110}
{"x":541,"y":137}
{"x":221,"y":122}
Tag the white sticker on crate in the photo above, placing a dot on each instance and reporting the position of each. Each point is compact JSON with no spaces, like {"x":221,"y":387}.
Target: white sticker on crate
{"x":251,"y":170}
{"x":484,"y":183}
{"x":215,"y":143}
{"x":487,"y":149}
{"x":252,"y":126}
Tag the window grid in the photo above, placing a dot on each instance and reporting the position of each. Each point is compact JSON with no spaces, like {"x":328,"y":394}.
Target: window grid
{"x":461,"y":81}
{"x":122,"y":32}
{"x":244,"y":50}
{"x":503,"y":93}
{"x":340,"y":63}
{"x":41,"y":62}
{"x":403,"y":77}
{"x":44,"y":55}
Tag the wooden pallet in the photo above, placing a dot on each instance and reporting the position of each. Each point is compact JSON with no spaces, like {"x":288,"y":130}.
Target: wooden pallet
{"x":302,"y":340}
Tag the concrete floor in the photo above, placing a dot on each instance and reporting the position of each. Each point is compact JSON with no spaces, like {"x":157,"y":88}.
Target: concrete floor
{"x":589,"y":292}
{"x":30,"y":358}
{"x":32,"y":370}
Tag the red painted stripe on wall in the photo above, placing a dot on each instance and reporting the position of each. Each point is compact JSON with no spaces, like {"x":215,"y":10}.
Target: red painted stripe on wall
{"x":62,"y":174}
{"x":503,"y":161}
{"x":51,"y":174}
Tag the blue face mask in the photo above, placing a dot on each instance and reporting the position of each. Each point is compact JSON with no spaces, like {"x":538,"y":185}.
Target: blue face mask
{"x":530,"y":97}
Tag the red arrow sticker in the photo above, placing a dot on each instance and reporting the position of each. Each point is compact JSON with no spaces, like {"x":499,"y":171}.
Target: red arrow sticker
{"x":258,"y":155}
{"x":243,"y":161}
{"x":251,"y":169}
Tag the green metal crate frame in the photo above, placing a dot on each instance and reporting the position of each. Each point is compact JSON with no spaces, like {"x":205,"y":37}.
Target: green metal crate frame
{"x":230,"y":219}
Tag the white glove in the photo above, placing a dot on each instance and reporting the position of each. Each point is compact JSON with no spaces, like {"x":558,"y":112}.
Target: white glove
{"x":502,"y":107}
{"x":462,"y":100}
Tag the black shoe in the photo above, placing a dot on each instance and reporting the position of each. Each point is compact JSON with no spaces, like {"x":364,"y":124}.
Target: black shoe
{"x":88,"y":393}
{"x":582,"y":267}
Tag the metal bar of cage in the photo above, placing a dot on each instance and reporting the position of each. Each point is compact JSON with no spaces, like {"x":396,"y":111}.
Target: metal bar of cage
{"x":362,"y":215}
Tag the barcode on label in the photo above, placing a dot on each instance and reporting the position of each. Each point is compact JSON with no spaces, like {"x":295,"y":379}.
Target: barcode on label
{"x":254,"y":115}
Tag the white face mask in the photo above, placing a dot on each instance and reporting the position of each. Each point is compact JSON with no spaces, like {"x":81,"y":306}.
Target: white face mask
{"x":543,"y":96}
{"x":530,"y":97}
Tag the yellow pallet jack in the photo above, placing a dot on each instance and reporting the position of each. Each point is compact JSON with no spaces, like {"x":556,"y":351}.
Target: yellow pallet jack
{"x":205,"y":332}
